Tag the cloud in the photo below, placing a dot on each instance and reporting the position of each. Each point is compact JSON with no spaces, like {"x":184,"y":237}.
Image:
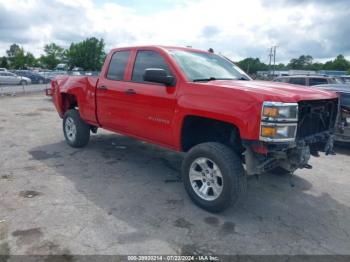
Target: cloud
{"x":210,"y":31}
{"x":237,"y":29}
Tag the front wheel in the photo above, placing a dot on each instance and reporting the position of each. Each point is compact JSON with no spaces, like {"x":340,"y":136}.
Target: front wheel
{"x":76,"y":131}
{"x":23,"y":82}
{"x":213,"y":176}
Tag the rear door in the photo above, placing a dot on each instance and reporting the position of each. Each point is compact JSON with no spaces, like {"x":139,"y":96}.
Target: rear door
{"x":111,"y":111}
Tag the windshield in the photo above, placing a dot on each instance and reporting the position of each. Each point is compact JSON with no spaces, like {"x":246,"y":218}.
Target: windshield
{"x":205,"y":66}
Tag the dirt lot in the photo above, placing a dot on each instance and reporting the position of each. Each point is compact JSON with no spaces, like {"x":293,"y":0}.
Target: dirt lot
{"x":122,"y":196}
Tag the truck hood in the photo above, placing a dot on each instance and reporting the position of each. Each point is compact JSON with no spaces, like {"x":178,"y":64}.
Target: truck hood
{"x":273,"y":91}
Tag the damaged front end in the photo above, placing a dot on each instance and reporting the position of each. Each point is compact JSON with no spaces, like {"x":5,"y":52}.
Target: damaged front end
{"x":342,"y":133}
{"x":290,"y":134}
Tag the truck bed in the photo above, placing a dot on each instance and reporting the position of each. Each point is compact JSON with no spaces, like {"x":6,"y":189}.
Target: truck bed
{"x":83,"y":89}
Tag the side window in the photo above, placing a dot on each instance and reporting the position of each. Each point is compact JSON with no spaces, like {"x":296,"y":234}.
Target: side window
{"x":117,"y":66}
{"x":283,"y":80}
{"x":297,"y":81}
{"x":147,"y":59}
{"x":317,"y":81}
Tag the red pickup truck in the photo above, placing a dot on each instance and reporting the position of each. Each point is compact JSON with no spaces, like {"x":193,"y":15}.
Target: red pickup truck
{"x":200,"y":103}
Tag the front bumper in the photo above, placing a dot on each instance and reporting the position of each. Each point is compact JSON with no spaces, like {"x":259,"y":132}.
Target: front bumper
{"x":260,"y":157}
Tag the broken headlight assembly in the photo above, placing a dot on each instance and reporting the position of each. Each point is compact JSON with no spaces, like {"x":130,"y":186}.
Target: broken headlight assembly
{"x":279,"y":122}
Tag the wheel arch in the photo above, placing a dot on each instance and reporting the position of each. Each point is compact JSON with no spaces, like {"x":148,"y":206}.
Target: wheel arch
{"x":197,"y":129}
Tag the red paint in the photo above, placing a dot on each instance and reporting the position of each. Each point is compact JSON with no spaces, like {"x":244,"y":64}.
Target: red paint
{"x":156,"y":113}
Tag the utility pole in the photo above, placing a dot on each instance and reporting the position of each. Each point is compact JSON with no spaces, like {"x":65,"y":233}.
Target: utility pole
{"x":270,"y":58}
{"x":272,"y":54}
{"x":274,"y":59}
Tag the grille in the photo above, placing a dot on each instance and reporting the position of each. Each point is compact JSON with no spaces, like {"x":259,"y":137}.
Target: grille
{"x":316,"y":116}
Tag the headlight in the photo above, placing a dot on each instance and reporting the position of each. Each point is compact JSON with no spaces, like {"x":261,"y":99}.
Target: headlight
{"x":271,"y":132}
{"x":276,"y":111}
{"x":278,"y":121}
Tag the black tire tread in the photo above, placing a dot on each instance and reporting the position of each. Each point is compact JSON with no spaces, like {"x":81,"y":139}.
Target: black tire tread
{"x":83,"y":129}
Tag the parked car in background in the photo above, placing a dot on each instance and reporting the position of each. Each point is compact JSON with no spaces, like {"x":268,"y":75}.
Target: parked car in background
{"x":342,"y":132}
{"x":308,"y":80}
{"x":34,"y":77}
{"x":53,"y":74}
{"x":345,"y":79}
{"x":8,"y":78}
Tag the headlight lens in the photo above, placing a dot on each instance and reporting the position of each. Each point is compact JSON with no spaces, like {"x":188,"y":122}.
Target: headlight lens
{"x":276,"y":111}
{"x":278,"y":132}
{"x":278,"y":121}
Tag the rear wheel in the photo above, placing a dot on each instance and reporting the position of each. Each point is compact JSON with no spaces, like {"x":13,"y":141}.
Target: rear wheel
{"x":76,"y":131}
{"x":23,"y":82}
{"x":213,"y":176}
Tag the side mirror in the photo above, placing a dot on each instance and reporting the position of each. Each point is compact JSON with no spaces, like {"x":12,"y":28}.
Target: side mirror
{"x":158,"y":75}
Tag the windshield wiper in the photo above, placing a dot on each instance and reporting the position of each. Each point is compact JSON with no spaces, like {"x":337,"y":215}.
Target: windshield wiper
{"x":211,"y":79}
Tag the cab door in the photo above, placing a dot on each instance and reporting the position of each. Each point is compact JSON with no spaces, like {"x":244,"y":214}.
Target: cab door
{"x":112,"y":112}
{"x":150,"y":106}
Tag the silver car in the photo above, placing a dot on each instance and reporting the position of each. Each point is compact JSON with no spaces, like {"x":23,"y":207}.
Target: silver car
{"x":8,"y":78}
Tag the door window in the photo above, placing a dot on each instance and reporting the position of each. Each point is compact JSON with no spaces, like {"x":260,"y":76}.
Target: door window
{"x":283,"y":80}
{"x":297,"y":81}
{"x":118,"y":65}
{"x":147,"y":59}
{"x":317,"y":81}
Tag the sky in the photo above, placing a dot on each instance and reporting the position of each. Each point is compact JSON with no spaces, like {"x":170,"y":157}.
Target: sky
{"x":237,"y":29}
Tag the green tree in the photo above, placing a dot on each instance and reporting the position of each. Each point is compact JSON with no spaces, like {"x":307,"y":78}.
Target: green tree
{"x":281,"y":66}
{"x":3,"y":62}
{"x":88,"y":54}
{"x":339,"y":63}
{"x":30,"y":60}
{"x":303,"y":62}
{"x":316,"y":66}
{"x":252,"y":65}
{"x":17,"y":58}
{"x":53,"y":55}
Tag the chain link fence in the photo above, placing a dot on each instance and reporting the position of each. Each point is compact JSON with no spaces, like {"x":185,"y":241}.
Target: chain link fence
{"x":38,"y":84}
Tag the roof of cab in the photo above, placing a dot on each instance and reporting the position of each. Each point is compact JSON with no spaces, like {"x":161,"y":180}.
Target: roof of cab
{"x":159,"y":47}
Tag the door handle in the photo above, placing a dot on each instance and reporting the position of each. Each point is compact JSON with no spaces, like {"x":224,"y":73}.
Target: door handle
{"x":130,"y":92}
{"x":103,"y":88}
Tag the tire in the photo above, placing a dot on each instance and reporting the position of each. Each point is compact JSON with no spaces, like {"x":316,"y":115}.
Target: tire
{"x":40,"y":81}
{"x":221,"y":160}
{"x":23,"y":82}
{"x":76,"y":131}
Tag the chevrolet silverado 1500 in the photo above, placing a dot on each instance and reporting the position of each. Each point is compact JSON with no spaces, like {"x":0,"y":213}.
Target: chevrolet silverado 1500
{"x":200,"y":103}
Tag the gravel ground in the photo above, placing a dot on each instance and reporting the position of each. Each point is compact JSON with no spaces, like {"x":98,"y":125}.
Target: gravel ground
{"x":122,"y":196}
